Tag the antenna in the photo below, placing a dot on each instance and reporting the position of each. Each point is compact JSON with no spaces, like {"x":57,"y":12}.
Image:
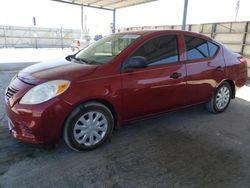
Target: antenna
{"x":237,"y":9}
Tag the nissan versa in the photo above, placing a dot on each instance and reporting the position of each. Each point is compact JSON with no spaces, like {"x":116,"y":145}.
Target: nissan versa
{"x":119,"y":79}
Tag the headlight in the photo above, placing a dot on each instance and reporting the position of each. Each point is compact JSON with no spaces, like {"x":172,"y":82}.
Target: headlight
{"x":45,"y":92}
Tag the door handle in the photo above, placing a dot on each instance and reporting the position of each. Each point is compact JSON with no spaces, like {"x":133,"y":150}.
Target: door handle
{"x":175,"y":75}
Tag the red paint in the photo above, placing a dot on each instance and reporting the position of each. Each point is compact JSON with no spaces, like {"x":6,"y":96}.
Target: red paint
{"x":133,"y":94}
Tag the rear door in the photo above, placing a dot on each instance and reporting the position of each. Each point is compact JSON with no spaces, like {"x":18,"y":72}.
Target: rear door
{"x":160,"y":86}
{"x":205,"y":68}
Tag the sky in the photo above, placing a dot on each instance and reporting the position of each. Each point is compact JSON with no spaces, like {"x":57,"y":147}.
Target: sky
{"x":161,"y":12}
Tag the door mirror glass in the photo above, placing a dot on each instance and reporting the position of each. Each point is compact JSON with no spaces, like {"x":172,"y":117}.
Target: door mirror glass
{"x":135,"y":62}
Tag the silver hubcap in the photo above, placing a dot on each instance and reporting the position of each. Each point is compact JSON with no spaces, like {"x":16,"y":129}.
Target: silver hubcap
{"x":90,"y":128}
{"x":222,"y":98}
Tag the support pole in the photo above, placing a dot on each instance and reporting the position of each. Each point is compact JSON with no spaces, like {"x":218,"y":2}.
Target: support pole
{"x":113,"y":29}
{"x":5,"y":40}
{"x":61,"y":35}
{"x":244,"y":39}
{"x":82,"y":24}
{"x":184,"y":15}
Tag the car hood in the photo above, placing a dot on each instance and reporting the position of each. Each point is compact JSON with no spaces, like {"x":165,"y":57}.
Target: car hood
{"x":53,"y":70}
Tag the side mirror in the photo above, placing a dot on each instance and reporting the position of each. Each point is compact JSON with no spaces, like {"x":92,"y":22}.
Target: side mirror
{"x":135,"y":62}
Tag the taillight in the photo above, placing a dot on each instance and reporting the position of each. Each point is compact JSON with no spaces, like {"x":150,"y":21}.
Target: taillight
{"x":243,"y":60}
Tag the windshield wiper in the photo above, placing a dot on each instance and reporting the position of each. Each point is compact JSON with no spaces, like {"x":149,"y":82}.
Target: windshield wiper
{"x":70,"y":57}
{"x":82,"y":60}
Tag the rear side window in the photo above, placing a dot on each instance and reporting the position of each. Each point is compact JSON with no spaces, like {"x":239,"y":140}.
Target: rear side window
{"x":160,"y":50}
{"x":196,"y":48}
{"x":213,"y":48}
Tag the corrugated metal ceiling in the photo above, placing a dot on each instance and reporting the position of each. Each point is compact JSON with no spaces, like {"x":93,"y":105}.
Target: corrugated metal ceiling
{"x":106,"y":4}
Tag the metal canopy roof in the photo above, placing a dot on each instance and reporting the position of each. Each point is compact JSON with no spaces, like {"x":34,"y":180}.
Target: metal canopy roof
{"x":116,"y":4}
{"x":106,"y":4}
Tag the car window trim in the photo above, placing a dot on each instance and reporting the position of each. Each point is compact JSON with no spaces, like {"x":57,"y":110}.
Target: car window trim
{"x":178,"y":50}
{"x":197,"y":60}
{"x":150,"y":68}
{"x":203,"y":59}
{"x":195,"y":48}
{"x":217,"y":51}
{"x":177,"y":36}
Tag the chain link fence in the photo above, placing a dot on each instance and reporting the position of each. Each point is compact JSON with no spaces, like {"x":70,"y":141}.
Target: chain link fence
{"x":36,"y":37}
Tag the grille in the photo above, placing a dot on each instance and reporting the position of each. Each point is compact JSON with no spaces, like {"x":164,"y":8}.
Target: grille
{"x":10,"y":91}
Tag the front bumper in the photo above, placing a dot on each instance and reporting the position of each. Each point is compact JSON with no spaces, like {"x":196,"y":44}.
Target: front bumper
{"x":40,"y":123}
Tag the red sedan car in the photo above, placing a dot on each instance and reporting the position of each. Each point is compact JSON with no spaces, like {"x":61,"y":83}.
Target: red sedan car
{"x":120,"y":78}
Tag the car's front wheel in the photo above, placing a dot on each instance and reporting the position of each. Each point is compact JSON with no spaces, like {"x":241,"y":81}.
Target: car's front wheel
{"x":88,"y":126}
{"x":221,"y":98}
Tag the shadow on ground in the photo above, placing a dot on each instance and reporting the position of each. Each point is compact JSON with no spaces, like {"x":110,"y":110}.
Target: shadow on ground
{"x":174,"y":150}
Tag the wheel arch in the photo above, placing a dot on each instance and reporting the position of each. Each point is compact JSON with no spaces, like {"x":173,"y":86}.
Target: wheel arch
{"x":232,"y":84}
{"x":109,"y":105}
{"x":104,"y":102}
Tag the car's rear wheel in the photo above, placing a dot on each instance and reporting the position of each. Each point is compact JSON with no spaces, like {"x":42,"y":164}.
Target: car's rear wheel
{"x":88,"y":126}
{"x":221,"y":98}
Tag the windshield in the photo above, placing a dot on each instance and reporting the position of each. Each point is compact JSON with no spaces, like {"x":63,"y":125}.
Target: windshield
{"x":106,"y":49}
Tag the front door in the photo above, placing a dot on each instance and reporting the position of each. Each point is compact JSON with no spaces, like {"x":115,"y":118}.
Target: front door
{"x":159,"y":87}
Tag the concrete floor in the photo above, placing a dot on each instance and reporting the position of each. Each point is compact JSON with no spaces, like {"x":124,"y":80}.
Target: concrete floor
{"x":188,"y":148}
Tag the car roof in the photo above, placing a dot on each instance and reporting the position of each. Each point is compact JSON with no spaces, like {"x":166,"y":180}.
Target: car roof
{"x":152,"y":32}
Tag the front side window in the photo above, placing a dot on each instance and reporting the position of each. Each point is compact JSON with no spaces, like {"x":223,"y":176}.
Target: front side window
{"x":196,"y":48}
{"x":160,"y":50}
{"x":106,"y":49}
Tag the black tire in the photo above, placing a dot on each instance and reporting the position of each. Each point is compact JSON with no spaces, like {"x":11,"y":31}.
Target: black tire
{"x":211,"y":105}
{"x":68,"y":132}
